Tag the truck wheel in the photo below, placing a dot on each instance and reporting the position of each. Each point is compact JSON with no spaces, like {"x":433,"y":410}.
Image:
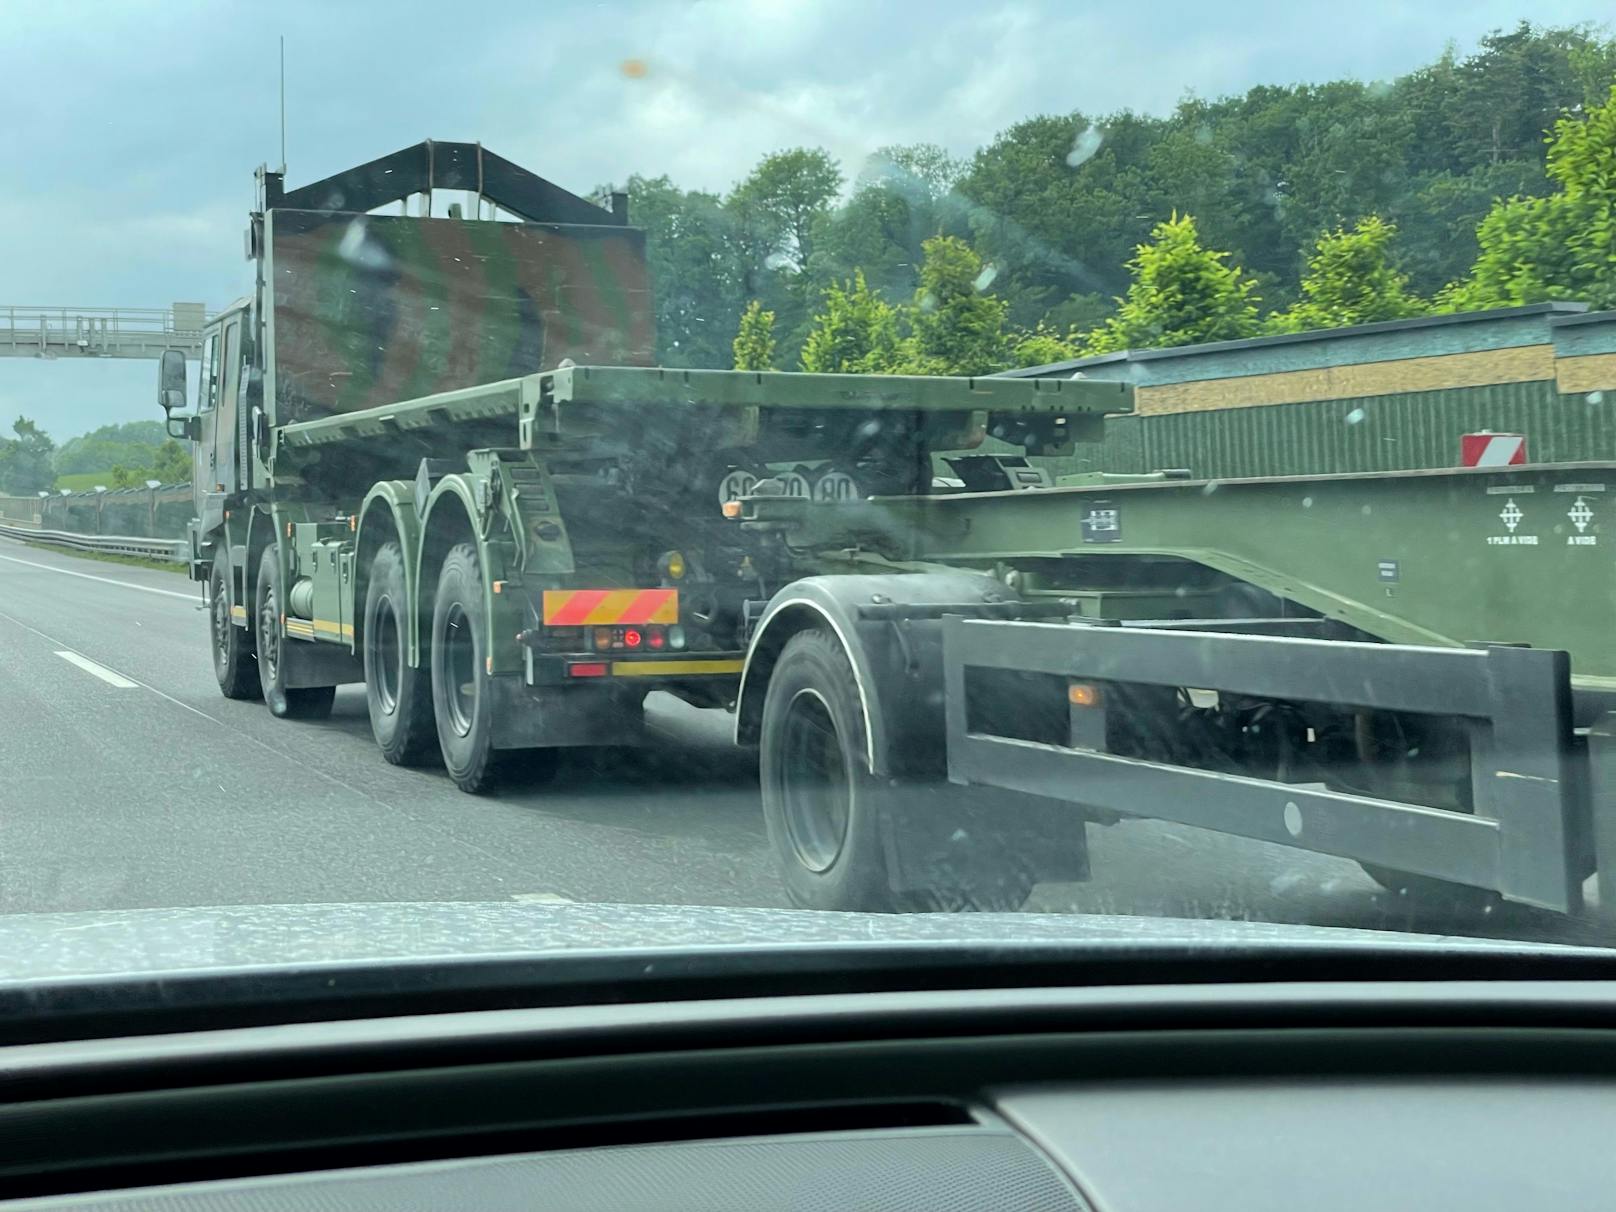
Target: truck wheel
{"x":461,"y":697}
{"x":234,"y":662}
{"x":820,"y":803}
{"x":1440,"y":780}
{"x":285,"y":702}
{"x":398,"y":694}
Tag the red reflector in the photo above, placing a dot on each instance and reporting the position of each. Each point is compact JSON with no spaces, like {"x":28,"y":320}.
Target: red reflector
{"x":587,"y":669}
{"x":631,"y":638}
{"x":656,"y":639}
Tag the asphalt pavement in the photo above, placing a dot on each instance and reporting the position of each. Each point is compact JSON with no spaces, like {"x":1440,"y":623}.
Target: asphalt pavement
{"x":128,"y":781}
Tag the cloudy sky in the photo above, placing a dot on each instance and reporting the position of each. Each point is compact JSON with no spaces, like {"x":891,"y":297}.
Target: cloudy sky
{"x":133,"y":129}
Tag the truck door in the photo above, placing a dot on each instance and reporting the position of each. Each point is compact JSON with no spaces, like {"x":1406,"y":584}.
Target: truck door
{"x":207,"y":399}
{"x":225,"y":421}
{"x":212,"y":457}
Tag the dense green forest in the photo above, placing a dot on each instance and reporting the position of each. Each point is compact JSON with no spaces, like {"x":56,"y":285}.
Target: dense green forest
{"x":119,"y":456}
{"x":1291,"y":206}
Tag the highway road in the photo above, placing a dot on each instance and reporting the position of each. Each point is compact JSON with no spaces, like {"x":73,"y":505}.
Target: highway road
{"x":128,"y":781}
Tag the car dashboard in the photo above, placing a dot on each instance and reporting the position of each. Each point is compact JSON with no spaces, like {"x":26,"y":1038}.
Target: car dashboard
{"x":1283,"y":1088}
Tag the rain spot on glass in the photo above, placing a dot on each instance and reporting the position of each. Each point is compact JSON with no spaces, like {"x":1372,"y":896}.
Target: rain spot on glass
{"x":1203,"y":134}
{"x":1596,"y":397}
{"x":1209,"y":488}
{"x":1084,"y":146}
{"x":869,"y":429}
{"x":1307,"y":502}
{"x":1366,"y":510}
{"x":776,"y":260}
{"x":985,"y":278}
{"x":357,"y":249}
{"x":928,"y":302}
{"x":1355,"y":416}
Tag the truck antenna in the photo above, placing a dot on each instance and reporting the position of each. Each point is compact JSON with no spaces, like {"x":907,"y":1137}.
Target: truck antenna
{"x":283,"y":105}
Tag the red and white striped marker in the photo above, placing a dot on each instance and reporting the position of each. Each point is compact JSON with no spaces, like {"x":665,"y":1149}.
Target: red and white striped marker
{"x":1488,"y":449}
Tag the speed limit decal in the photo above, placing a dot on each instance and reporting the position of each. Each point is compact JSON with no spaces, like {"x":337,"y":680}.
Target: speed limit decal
{"x":835,"y":486}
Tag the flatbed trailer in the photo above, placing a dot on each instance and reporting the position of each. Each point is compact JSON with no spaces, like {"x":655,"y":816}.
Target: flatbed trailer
{"x":1412,"y":670}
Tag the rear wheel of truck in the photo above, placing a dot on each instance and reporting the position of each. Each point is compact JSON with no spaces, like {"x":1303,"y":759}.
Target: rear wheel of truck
{"x":234,"y":662}
{"x":285,"y":702}
{"x":398,"y":694}
{"x":462,"y":699}
{"x":824,"y":810}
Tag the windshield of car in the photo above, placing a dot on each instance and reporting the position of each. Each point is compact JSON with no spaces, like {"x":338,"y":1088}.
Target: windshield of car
{"x":1012,"y":459}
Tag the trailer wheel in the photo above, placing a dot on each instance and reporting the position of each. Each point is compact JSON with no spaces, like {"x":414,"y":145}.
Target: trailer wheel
{"x":397,"y":694}
{"x":820,"y":803}
{"x":234,"y":662}
{"x":285,"y":702}
{"x":1439,"y":780}
{"x":461,"y":697}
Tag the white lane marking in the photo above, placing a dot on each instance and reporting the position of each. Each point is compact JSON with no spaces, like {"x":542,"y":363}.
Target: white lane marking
{"x":542,"y":898}
{"x":68,"y":572}
{"x":108,"y":676}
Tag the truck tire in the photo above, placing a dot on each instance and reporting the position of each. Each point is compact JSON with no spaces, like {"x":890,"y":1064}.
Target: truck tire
{"x":397,"y":694}
{"x":821,"y":805}
{"x":1445,"y":787}
{"x":461,"y":697}
{"x":828,"y":817}
{"x":285,"y":702}
{"x":234,"y":662}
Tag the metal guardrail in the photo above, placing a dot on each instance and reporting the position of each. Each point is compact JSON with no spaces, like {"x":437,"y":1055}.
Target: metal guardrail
{"x":172,"y":551}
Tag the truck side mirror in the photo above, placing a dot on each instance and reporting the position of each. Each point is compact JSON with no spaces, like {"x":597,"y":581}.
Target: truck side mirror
{"x":171,"y":385}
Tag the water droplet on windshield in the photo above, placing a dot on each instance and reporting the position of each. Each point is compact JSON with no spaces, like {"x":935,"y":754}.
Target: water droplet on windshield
{"x":1356,"y":415}
{"x":1084,"y":146}
{"x":1596,"y":397}
{"x":985,"y":278}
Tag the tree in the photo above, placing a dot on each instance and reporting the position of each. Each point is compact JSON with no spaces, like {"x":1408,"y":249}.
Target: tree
{"x":856,"y":333}
{"x":1350,"y":280}
{"x":1559,"y":247}
{"x":1044,"y":345}
{"x":874,"y":232}
{"x":1437,"y":217}
{"x":695,"y":270}
{"x":957,"y":326}
{"x":133,"y":443}
{"x":781,"y":200}
{"x":1181,"y":294}
{"x":172,"y":464}
{"x":754,"y":341}
{"x":916,"y":168}
{"x":25,"y":460}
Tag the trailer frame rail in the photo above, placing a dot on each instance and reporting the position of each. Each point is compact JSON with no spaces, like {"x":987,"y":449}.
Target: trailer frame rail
{"x":1530,"y":831}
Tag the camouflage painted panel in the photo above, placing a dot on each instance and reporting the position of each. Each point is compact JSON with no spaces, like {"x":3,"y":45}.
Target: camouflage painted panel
{"x":371,"y":309}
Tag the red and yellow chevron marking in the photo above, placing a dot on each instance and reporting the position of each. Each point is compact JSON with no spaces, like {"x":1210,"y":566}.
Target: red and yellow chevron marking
{"x":602,"y":607}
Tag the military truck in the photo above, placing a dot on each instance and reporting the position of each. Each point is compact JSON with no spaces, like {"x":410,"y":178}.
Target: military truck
{"x":432,"y":455}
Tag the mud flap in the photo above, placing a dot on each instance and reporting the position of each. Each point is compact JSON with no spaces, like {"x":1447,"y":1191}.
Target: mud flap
{"x":308,"y":663}
{"x":546,"y":717}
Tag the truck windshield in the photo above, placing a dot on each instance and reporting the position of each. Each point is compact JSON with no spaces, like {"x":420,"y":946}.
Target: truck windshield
{"x":1008,"y":459}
